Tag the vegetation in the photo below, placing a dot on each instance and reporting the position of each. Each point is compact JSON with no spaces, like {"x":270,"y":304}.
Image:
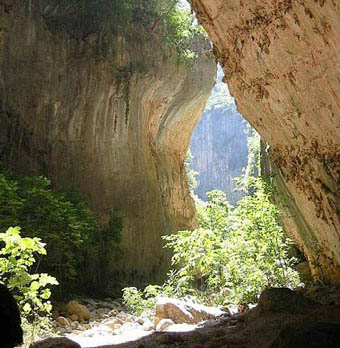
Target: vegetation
{"x":17,"y":261}
{"x":254,"y":153}
{"x":191,"y":174}
{"x":174,"y":25}
{"x":234,"y":255}
{"x":62,"y":220}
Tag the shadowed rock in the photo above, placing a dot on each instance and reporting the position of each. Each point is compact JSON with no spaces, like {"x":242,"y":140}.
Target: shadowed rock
{"x":55,"y":342}
{"x":10,"y":322}
{"x":308,"y":335}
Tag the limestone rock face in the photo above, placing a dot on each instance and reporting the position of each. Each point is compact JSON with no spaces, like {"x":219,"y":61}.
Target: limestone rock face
{"x":282,"y":61}
{"x":219,"y":145}
{"x":219,"y":149}
{"x":113,"y":124}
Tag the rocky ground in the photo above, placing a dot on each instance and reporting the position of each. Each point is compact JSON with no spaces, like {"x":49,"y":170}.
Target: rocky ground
{"x":283,"y":318}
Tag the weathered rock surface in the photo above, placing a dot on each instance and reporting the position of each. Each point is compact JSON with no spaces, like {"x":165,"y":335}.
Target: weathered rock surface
{"x":308,"y":335}
{"x":286,"y":319}
{"x":55,"y":342}
{"x":183,"y":312}
{"x":282,"y":60}
{"x":219,"y":145}
{"x":114,"y":126}
{"x":78,"y":311}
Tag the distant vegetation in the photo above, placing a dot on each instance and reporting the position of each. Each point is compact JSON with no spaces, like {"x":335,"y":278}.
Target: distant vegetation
{"x":174,"y":25}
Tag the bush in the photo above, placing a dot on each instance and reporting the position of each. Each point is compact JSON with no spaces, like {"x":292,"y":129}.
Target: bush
{"x":238,"y":251}
{"x":64,"y":222}
{"x":234,"y":255}
{"x":75,"y":242}
{"x":31,"y":290}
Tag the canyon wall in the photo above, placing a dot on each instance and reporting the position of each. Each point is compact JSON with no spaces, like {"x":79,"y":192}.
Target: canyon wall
{"x":109,"y":117}
{"x":282,"y":63}
{"x":219,"y":145}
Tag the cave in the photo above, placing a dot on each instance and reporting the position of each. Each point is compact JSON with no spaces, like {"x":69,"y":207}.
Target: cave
{"x":115,"y":123}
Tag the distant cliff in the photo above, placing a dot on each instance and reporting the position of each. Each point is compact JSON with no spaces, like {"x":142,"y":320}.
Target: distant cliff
{"x":219,"y":146}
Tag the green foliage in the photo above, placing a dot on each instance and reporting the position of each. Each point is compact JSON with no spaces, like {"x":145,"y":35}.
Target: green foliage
{"x":191,"y":174}
{"x":234,"y":255}
{"x":254,"y":153}
{"x":239,"y":251}
{"x":144,"y":301}
{"x":74,"y":240}
{"x":102,"y":257}
{"x":138,"y":301}
{"x":64,"y":222}
{"x":174,"y":25}
{"x":17,"y":258}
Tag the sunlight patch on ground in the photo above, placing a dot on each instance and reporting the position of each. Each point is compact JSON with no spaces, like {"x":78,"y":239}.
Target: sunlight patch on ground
{"x":99,"y":336}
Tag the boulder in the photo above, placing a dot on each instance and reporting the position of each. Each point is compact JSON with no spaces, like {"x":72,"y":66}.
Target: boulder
{"x":63,"y":322}
{"x":164,"y":324}
{"x":308,"y":335}
{"x":55,"y":342}
{"x":10,"y":322}
{"x":281,"y":300}
{"x":181,"y":312}
{"x":74,"y":307}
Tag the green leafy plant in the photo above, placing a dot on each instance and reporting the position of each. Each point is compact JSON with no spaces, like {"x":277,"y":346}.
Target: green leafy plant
{"x":17,"y":261}
{"x":138,"y":301}
{"x":74,"y":241}
{"x":63,"y":221}
{"x":234,"y":255}
{"x":236,"y":251}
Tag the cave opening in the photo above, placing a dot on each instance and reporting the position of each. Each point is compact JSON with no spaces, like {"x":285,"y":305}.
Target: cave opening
{"x":100,"y":130}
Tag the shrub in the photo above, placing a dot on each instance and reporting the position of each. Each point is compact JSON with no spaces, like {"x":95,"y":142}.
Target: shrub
{"x":236,"y":251}
{"x":64,"y":222}
{"x":31,"y":290}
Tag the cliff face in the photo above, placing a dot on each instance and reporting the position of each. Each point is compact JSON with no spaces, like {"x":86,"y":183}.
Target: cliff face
{"x":281,"y":62}
{"x":219,"y":146}
{"x":114,"y":129}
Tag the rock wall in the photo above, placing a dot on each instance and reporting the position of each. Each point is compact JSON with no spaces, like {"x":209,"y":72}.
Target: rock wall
{"x":109,"y":117}
{"x":219,"y":146}
{"x":282,"y":63}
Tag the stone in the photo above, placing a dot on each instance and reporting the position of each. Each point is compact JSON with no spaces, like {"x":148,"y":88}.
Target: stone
{"x":122,"y":144}
{"x":181,"y":312}
{"x":55,"y":342}
{"x":281,"y":300}
{"x":103,"y":311}
{"x":62,"y":321}
{"x":279,"y":60}
{"x":79,"y":310}
{"x":11,"y":333}
{"x":111,"y":323}
{"x":73,"y":317}
{"x":308,"y":335}
{"x":164,"y":324}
